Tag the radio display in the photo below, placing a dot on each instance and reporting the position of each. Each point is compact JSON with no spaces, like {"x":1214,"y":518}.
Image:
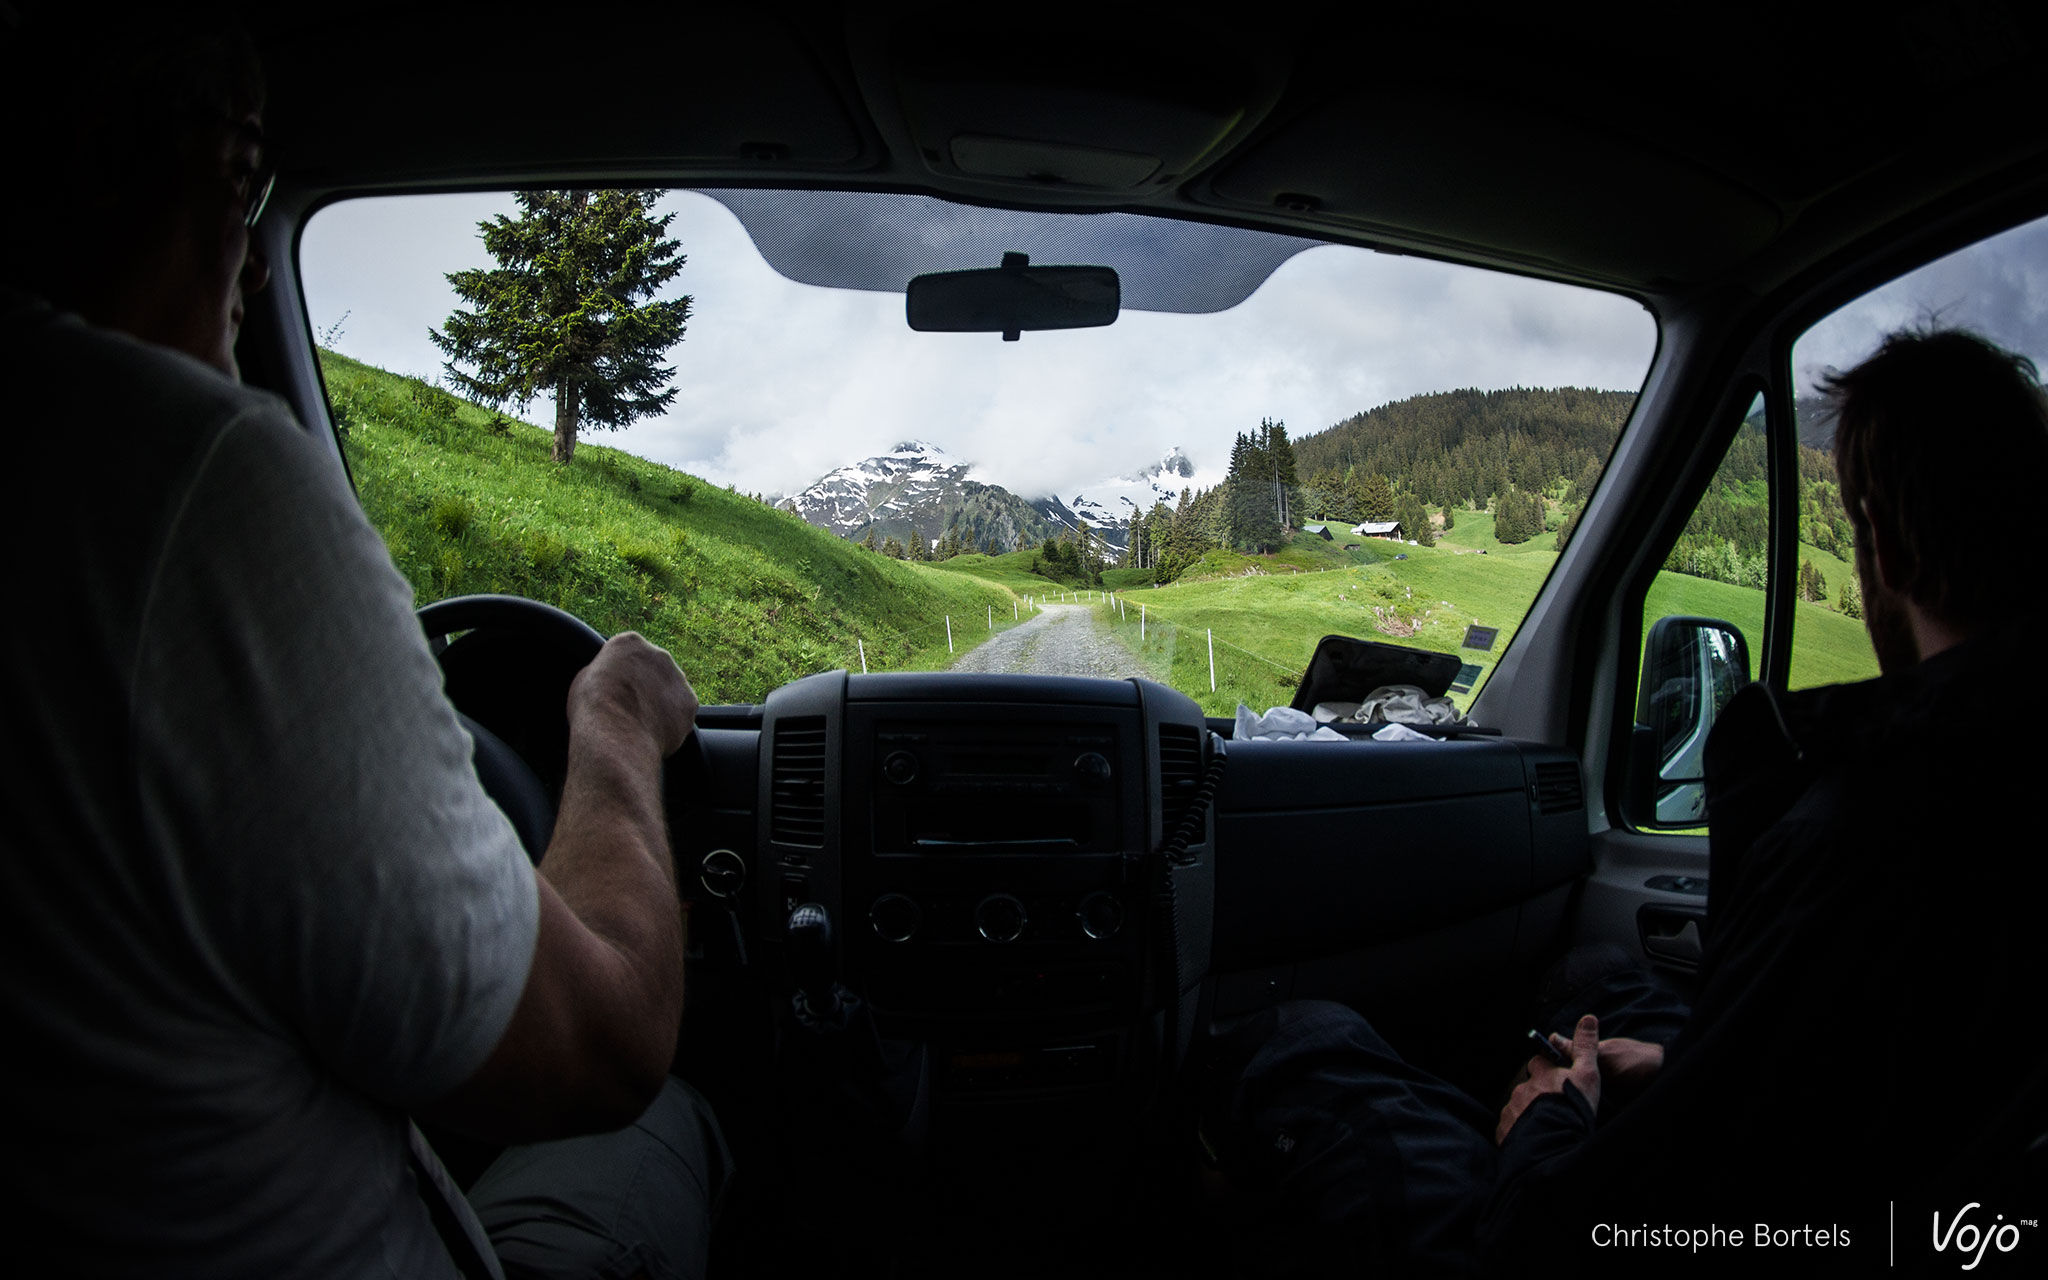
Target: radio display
{"x":973,"y":821}
{"x":994,"y":764}
{"x":948,"y":786}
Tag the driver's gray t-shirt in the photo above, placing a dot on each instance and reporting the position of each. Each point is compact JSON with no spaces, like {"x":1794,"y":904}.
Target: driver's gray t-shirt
{"x":255,"y":904}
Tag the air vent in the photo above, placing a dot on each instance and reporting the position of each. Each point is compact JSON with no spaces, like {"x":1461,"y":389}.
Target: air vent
{"x":797,"y":810}
{"x":1180,"y":773}
{"x":1557,"y":787}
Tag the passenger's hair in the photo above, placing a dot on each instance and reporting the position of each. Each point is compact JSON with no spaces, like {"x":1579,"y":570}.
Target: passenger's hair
{"x":101,"y":114}
{"x":1945,"y":436}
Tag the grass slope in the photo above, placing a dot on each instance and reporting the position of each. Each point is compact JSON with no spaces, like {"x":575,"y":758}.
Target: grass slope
{"x":1266,"y":623}
{"x":1827,"y":648}
{"x":746,"y":597}
{"x":1266,"y":620}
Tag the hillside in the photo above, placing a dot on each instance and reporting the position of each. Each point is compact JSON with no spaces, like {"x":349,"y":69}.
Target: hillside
{"x":745,"y":596}
{"x":1464,"y":446}
{"x":1266,"y":613}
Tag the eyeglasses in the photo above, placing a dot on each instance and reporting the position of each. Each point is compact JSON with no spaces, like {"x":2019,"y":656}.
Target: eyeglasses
{"x":256,"y":192}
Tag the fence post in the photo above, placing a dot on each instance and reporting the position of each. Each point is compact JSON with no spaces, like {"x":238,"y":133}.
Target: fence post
{"x":1212,"y":660}
{"x":991,"y":617}
{"x":1141,"y":624}
{"x":863,"y":654}
{"x":1014,"y":615}
{"x":949,"y":645}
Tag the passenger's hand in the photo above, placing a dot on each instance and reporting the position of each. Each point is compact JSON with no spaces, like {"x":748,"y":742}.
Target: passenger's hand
{"x":635,"y":680}
{"x":1546,"y":1076}
{"x":1627,"y":1066}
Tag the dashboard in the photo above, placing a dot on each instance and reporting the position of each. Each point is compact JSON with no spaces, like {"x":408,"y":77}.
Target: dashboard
{"x":969,"y":935}
{"x":998,"y":858}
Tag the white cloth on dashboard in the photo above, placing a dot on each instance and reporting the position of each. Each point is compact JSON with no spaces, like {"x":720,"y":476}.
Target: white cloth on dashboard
{"x":1281,"y":724}
{"x":256,"y":903}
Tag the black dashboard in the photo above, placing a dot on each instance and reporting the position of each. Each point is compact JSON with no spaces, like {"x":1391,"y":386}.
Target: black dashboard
{"x":992,"y":853}
{"x":968,"y":935}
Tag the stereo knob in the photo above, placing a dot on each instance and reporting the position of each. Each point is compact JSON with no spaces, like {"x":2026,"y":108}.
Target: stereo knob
{"x":895,"y":917}
{"x":1102,"y":916}
{"x":900,"y":768}
{"x":1001,"y":918}
{"x":1092,"y":768}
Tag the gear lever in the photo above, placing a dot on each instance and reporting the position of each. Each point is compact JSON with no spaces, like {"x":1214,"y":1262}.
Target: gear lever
{"x":820,"y":1000}
{"x":887,"y":1078}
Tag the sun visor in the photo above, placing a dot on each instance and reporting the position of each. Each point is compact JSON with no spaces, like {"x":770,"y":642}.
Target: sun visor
{"x":879,"y":240}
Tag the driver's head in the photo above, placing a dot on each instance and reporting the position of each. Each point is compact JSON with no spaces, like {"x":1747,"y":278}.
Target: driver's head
{"x":1941,"y":446}
{"x":136,"y":152}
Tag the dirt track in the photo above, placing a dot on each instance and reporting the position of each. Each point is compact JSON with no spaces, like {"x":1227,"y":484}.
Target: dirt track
{"x":1061,"y":641}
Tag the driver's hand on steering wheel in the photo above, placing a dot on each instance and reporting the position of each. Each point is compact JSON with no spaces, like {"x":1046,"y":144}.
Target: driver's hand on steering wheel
{"x":636,"y":681}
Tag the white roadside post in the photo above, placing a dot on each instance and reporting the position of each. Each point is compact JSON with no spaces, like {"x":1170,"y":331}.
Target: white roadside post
{"x":1212,"y":660}
{"x":991,"y":617}
{"x":1141,"y":624}
{"x":949,"y":638}
{"x":1014,"y":615}
{"x":863,"y":654}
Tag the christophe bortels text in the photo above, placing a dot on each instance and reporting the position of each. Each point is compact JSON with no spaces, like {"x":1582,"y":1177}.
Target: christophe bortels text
{"x":1609,"y":1235}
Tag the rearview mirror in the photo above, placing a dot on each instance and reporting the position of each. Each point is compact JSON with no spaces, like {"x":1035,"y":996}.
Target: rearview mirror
{"x":1012,"y":298}
{"x":1691,"y":668}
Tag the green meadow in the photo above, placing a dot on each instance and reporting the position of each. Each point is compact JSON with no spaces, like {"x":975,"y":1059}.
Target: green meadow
{"x":745,"y":596}
{"x":1266,"y":614}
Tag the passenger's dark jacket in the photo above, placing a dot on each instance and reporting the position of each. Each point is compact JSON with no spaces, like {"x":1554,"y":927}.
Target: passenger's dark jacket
{"x":1866,"y":1046}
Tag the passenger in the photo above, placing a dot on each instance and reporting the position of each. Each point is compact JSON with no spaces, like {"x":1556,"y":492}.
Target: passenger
{"x":1860,"y":1055}
{"x":257,"y":908}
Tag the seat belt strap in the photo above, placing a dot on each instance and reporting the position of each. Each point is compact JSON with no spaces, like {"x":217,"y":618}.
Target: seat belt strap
{"x":453,"y":1218}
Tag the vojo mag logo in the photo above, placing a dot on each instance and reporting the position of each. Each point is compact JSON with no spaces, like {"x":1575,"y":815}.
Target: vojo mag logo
{"x":1970,"y":1240}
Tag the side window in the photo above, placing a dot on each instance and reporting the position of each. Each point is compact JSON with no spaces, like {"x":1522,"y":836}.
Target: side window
{"x":1703,"y":624}
{"x":1995,"y":288}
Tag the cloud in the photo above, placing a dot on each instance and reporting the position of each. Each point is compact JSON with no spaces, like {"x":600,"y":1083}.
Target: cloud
{"x":779,"y":382}
{"x":1998,"y":287}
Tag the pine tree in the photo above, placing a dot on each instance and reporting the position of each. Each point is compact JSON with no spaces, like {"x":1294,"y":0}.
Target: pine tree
{"x":1812,"y":584}
{"x":1377,"y":499}
{"x":1450,"y":521}
{"x":892,"y":548}
{"x":569,"y":309}
{"x":869,"y":541}
{"x":1277,"y":462}
{"x":1249,"y":519}
{"x":1852,"y":600}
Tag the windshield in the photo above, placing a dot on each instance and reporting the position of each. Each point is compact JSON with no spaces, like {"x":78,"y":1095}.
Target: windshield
{"x":771,"y":474}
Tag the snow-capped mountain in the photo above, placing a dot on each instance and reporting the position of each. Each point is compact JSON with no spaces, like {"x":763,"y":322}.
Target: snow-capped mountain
{"x":918,"y":490}
{"x":1109,"y":505}
{"x":914,"y":475}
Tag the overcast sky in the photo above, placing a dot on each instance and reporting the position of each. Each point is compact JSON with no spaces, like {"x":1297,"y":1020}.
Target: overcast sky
{"x":779,"y":382}
{"x":1998,"y":287}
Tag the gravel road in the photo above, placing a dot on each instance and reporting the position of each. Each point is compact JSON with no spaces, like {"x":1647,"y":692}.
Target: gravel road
{"x":1061,"y":641}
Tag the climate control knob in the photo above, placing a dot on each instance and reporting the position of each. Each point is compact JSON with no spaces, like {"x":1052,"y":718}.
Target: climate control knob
{"x":1092,"y":768}
{"x":1102,"y":916}
{"x":1001,"y":918}
{"x":895,"y":917}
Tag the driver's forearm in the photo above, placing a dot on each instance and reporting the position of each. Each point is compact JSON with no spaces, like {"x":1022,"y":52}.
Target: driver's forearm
{"x":609,"y":861}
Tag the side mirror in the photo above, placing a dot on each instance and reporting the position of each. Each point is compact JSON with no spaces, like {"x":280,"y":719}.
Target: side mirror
{"x":1691,"y":668}
{"x":1012,"y":298}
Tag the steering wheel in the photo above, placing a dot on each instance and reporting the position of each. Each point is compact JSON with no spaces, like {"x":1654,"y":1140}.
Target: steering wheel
{"x":508,"y":674}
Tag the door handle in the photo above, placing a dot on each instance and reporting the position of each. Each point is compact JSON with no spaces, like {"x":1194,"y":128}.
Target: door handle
{"x":1672,"y":936}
